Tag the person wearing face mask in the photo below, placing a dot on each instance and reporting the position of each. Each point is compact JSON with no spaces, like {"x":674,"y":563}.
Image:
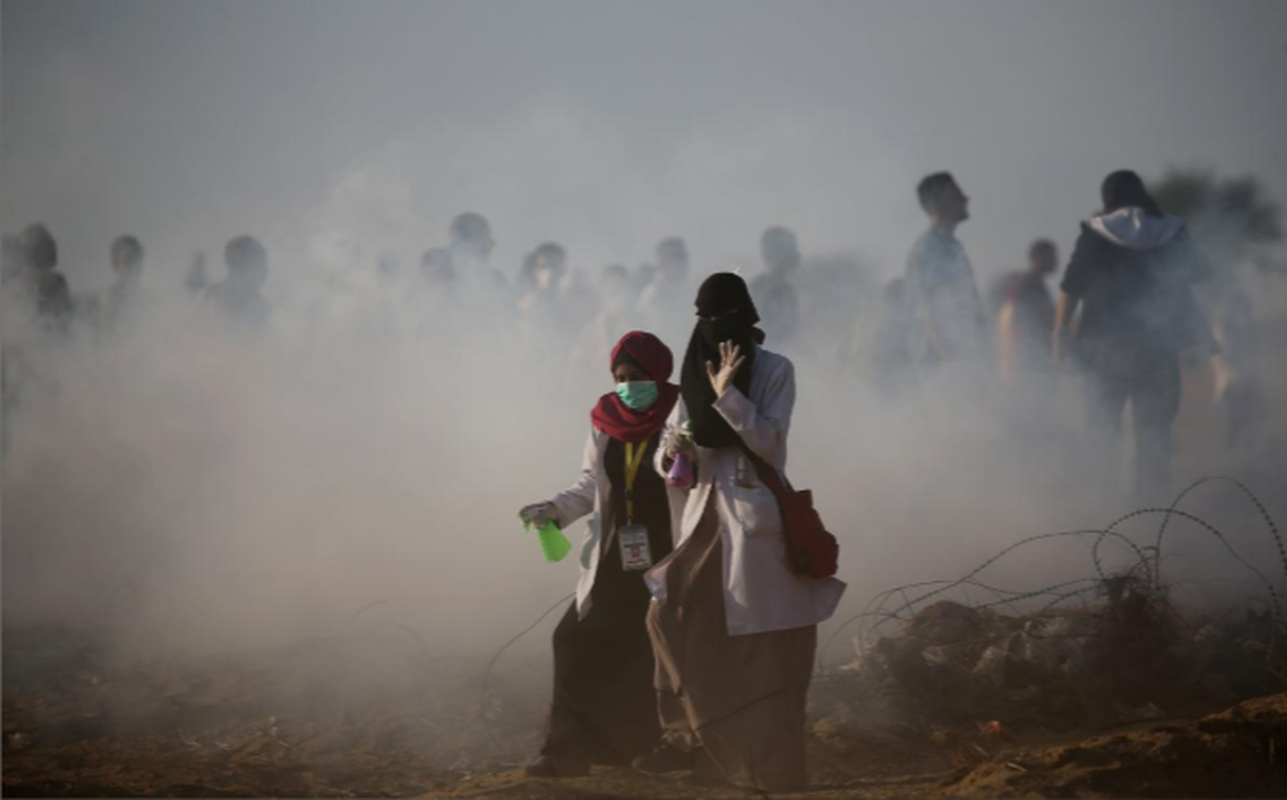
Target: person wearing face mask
{"x":604,"y":708}
{"x":733,"y":628}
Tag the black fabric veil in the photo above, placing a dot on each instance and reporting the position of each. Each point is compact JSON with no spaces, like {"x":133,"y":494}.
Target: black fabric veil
{"x":726,"y":313}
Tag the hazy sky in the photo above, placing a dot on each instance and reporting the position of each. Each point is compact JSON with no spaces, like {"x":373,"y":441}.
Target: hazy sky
{"x":608,"y":125}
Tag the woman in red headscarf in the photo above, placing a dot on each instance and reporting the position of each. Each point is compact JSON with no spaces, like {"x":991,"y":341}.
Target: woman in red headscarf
{"x":605,"y":707}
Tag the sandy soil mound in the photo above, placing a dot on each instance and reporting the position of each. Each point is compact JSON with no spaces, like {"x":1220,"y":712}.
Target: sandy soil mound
{"x":1235,"y":753}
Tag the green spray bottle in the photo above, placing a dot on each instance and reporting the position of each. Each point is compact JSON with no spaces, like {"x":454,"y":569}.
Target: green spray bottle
{"x":554,"y":544}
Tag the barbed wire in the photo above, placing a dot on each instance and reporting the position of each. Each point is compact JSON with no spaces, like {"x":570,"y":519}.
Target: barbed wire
{"x":879,"y":611}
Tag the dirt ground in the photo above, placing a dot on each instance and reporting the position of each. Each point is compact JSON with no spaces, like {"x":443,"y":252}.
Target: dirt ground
{"x":284,"y":722}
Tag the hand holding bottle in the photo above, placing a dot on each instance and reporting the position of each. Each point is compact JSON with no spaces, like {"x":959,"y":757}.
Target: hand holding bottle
{"x":677,"y":441}
{"x":545,"y":518}
{"x":539,"y":513}
{"x":679,"y":446}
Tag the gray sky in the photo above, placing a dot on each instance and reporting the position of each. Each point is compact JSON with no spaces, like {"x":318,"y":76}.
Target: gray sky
{"x":608,"y":125}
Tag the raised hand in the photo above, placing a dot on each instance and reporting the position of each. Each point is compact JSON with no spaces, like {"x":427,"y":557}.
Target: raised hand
{"x":730,"y":361}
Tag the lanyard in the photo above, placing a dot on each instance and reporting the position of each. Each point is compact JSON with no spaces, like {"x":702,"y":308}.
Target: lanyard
{"x":633,"y":460}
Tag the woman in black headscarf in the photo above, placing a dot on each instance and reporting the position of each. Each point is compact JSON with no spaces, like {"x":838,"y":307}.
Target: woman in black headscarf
{"x":733,"y":628}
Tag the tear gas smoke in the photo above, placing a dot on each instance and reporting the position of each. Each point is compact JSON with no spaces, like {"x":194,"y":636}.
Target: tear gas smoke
{"x":191,"y":486}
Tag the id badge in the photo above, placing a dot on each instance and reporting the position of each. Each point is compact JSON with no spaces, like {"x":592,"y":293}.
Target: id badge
{"x":635,"y":555}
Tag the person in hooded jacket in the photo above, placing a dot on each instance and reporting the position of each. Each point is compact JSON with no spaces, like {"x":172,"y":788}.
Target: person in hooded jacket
{"x":733,"y":628}
{"x":1132,"y":272}
{"x":604,"y":709}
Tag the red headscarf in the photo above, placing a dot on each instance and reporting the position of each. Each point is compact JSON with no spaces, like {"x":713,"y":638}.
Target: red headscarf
{"x":619,"y":420}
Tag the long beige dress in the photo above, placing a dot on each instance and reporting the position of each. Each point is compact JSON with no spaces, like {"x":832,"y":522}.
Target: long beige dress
{"x":742,"y":698}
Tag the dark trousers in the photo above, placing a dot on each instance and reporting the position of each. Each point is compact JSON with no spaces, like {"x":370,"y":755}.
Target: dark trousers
{"x":1151,"y":382}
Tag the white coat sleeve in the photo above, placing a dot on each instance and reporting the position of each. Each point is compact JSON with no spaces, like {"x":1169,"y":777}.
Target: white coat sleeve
{"x":578,"y":499}
{"x":764,"y":429}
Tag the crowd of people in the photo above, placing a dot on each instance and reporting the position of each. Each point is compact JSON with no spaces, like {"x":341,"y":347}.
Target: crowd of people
{"x":691,"y":640}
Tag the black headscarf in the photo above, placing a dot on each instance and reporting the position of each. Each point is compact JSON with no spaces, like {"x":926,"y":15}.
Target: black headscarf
{"x":726,"y":313}
{"x":1124,"y":189}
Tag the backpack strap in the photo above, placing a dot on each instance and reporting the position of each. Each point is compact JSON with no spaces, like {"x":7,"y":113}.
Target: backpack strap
{"x":769,"y":476}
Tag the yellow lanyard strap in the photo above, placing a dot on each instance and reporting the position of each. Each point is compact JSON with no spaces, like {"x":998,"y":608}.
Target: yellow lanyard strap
{"x":633,"y":460}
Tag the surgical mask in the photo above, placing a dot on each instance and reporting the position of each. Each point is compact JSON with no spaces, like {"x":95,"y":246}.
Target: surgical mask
{"x":638,"y":395}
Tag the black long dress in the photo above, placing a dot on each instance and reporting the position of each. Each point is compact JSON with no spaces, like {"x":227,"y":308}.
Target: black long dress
{"x":605,"y":706}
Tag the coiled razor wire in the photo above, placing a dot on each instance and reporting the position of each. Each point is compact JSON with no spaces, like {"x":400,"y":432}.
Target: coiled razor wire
{"x":876,"y":614}
{"x":1260,"y":507}
{"x":883,"y":609}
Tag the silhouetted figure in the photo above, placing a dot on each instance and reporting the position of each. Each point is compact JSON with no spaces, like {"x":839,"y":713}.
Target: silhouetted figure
{"x":837,"y":294}
{"x":46,"y":287}
{"x":38,"y":310}
{"x":951,"y":326}
{"x":664,"y":303}
{"x":616,"y":312}
{"x":772,"y":290}
{"x":1026,"y":317}
{"x":471,"y":251}
{"x":668,"y":283}
{"x":672,"y":262}
{"x":1132,"y":271}
{"x":543,"y":270}
{"x":237,"y":297}
{"x":197,"y":278}
{"x":542,"y":284}
{"x":125,"y":299}
{"x":433,"y":293}
{"x":615,"y":289}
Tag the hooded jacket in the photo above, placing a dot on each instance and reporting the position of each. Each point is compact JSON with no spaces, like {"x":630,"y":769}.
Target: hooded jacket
{"x":1135,"y":272}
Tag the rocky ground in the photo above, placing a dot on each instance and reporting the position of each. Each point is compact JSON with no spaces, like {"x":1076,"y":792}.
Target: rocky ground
{"x":935,"y":711}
